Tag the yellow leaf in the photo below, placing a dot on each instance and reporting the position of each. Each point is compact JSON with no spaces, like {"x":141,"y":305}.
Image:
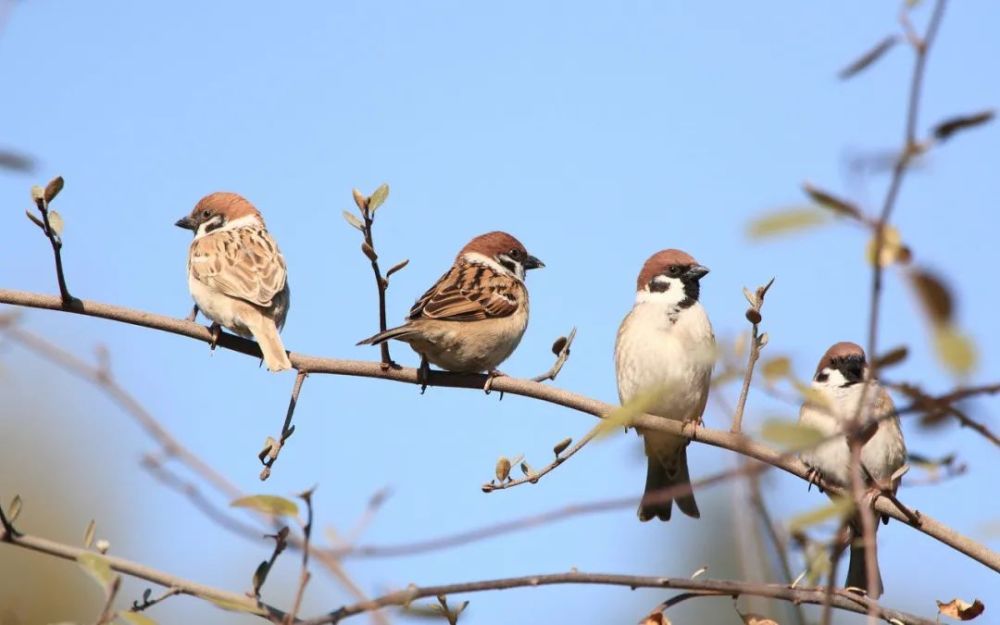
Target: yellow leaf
{"x":56,"y":222}
{"x":236,"y":606}
{"x":135,"y":618}
{"x":812,"y":396}
{"x":503,"y":468}
{"x":776,"y":368}
{"x":954,"y":349}
{"x":934,"y":294}
{"x":656,"y":618}
{"x":757,"y":619}
{"x":378,"y":197}
{"x":892,"y":247}
{"x":790,"y":434}
{"x":622,"y":417}
{"x":98,"y":568}
{"x":838,"y":508}
{"x":268,"y":504}
{"x":961,"y":610}
{"x":784,"y":222}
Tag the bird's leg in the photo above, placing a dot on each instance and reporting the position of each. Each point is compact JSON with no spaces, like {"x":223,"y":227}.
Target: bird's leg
{"x":216,"y":331}
{"x":194,"y":313}
{"x":813,"y":477}
{"x":423,"y":373}
{"x":495,"y":373}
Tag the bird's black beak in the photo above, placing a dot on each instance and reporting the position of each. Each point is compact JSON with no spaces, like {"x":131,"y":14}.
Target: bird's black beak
{"x":532,"y":263}
{"x":697,"y":272}
{"x":187,"y":223}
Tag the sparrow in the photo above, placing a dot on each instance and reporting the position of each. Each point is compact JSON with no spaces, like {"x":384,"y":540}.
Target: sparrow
{"x":839,"y":385}
{"x":474,"y":316}
{"x":665,"y":346}
{"x":236,"y":273}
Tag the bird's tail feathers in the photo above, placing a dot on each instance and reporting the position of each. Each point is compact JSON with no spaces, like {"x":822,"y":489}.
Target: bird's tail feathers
{"x":266,"y":333}
{"x":382,"y":337}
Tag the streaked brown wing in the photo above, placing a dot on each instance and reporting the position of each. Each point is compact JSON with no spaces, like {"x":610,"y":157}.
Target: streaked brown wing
{"x":468,"y":292}
{"x":244,"y":263}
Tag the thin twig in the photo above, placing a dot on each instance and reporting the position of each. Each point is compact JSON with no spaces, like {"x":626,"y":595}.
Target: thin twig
{"x":561,"y":350}
{"x":141,"y":571}
{"x":526,"y":388}
{"x":108,"y":611}
{"x":534,"y":476}
{"x":757,"y":343}
{"x":42,"y":197}
{"x":841,"y":600}
{"x":921,"y":47}
{"x":368,"y":248}
{"x":264,"y":569}
{"x":269,"y":455}
{"x":148,"y":603}
{"x":304,"y":576}
{"x":771,"y":529}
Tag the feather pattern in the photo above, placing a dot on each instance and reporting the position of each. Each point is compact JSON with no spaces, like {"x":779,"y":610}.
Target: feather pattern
{"x":470,"y":291}
{"x":243,"y":263}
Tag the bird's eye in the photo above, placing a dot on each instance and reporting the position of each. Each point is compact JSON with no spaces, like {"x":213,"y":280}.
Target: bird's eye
{"x":822,"y":377}
{"x":675,"y":270}
{"x":206,"y":214}
{"x":515,"y":253}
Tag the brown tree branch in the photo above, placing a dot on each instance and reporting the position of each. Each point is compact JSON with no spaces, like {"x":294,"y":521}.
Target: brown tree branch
{"x":841,"y":600}
{"x":757,"y":343}
{"x":910,"y":149}
{"x":533,"y":476}
{"x":526,"y":388}
{"x":127,"y":567}
{"x":269,"y":455}
{"x":368,"y":205}
{"x":42,"y":198}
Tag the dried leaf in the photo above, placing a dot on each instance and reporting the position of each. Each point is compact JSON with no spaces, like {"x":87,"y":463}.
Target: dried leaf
{"x":268,"y":504}
{"x":562,"y":445}
{"x":14,"y":509}
{"x":776,"y":368}
{"x":751,"y":298}
{"x":832,"y":202}
{"x":656,"y":618}
{"x":934,"y":295}
{"x":892,"y":247}
{"x":961,"y":610}
{"x":368,"y":251}
{"x":56,"y":222}
{"x":790,"y":434}
{"x":503,"y":468}
{"x":378,"y":197}
{"x":838,"y":507}
{"x":260,"y":575}
{"x":784,"y":222}
{"x":53,"y":188}
{"x":88,"y":534}
{"x":753,"y":316}
{"x":756,"y":619}
{"x":894,"y":356}
{"x":98,"y":568}
{"x":37,"y":193}
{"x":397,"y":267}
{"x":136,"y":618}
{"x":947,"y":128}
{"x":353,"y":220}
{"x":954,"y":349}
{"x":868,"y":57}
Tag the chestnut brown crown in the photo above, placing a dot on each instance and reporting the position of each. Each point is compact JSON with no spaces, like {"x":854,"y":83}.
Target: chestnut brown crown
{"x":838,"y":353}
{"x":498,"y":243}
{"x":224,"y":204}
{"x":669,"y":262}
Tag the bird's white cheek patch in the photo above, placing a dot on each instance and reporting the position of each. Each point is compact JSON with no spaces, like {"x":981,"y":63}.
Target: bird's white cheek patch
{"x":671,"y":296}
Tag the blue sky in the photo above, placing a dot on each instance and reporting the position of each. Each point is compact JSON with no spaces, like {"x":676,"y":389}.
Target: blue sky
{"x":597,"y":135}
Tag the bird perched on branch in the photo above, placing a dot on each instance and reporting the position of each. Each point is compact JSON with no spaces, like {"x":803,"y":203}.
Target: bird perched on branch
{"x":841,"y":396}
{"x":474,"y":316}
{"x":236,"y":273}
{"x":664,"y":354}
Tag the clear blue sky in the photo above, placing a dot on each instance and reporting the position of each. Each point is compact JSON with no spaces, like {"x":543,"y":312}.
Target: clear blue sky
{"x":597,"y":135}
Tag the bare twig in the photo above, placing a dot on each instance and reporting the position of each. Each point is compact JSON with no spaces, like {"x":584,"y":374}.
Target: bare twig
{"x":148,"y":603}
{"x":526,"y":388}
{"x":127,"y":567}
{"x":841,"y":600}
{"x":304,"y":576}
{"x":42,"y":197}
{"x":561,"y":349}
{"x":771,"y":529}
{"x":757,"y":342}
{"x":921,"y":47}
{"x":944,"y":405}
{"x":533,"y":476}
{"x":264,"y":568}
{"x":108,"y":611}
{"x":269,"y":455}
